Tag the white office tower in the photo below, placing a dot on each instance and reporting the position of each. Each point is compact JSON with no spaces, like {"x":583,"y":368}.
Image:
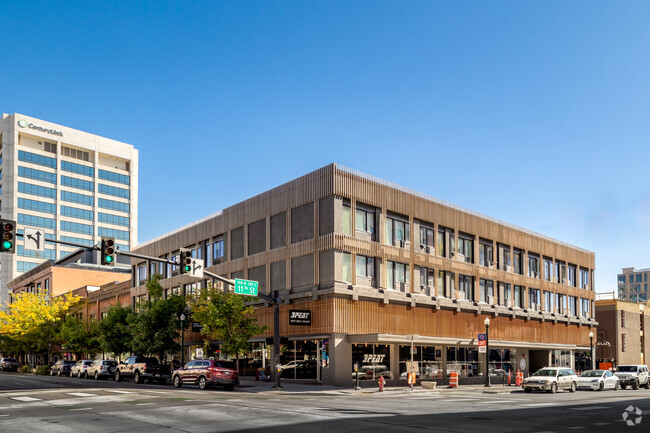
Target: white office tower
{"x":75,"y":186}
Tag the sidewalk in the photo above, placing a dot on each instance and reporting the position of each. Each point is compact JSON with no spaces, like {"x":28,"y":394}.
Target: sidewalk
{"x":250,"y":386}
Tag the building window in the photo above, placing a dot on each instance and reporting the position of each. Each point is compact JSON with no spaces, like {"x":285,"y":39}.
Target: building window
{"x":441,"y":248}
{"x":41,"y":191}
{"x":31,"y":173}
{"x":534,"y":299}
{"x":346,"y":216}
{"x":365,"y":267}
{"x":114,"y":191}
{"x":47,"y":286}
{"x":572,"y":276}
{"x":466,"y":247}
{"x":466,"y":287}
{"x":142,"y":273}
{"x":113,"y":219}
{"x":584,"y":307}
{"x":36,"y":221}
{"x":36,"y":159}
{"x":427,"y":279}
{"x":631,"y":278}
{"x":113,"y":233}
{"x":504,"y":257}
{"x":518,"y":261}
{"x":639,"y":278}
{"x":35,"y":205}
{"x":584,"y":279}
{"x":505,"y":289}
{"x":112,"y":205}
{"x":623,"y":342}
{"x":397,"y":276}
{"x":426,"y":237}
{"x":82,"y":241}
{"x":533,"y":266}
{"x":364,"y":220}
{"x":347,"y":268}
{"x":548,"y":301}
{"x":519,"y":296}
{"x":75,"y":153}
{"x":485,"y":253}
{"x":77,"y":183}
{"x":217,"y":249}
{"x":77,"y":168}
{"x":560,"y":272}
{"x":114,"y":177}
{"x":486,"y":291}
{"x":622,"y":319}
{"x":446,"y":284}
{"x":74,"y":212}
{"x":397,"y":232}
{"x":572,"y":306}
{"x":73,"y":197}
{"x":548,"y":269}
{"x":25,"y":266}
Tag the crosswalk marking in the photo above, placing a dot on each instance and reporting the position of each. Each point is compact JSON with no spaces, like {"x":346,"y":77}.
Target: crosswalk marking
{"x":81,"y":394}
{"x":25,"y":398}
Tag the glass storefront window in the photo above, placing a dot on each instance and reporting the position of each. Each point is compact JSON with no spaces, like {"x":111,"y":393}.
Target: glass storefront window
{"x":300,"y":360}
{"x":429,"y":360}
{"x":463,"y":361}
{"x":373,"y":361}
{"x":561,"y":358}
{"x":501,"y":361}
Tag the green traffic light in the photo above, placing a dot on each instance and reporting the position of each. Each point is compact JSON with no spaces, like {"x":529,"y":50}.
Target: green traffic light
{"x":188,"y":268}
{"x":108,"y":259}
{"x":7,"y":245}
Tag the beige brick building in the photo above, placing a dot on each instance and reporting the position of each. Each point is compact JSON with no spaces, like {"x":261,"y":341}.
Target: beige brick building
{"x":623,"y":336}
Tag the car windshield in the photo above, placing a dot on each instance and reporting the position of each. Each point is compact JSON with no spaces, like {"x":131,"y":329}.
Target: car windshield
{"x":66,"y":362}
{"x":626,"y":368}
{"x":225,"y":364}
{"x":545,"y":372}
{"x":10,"y":360}
{"x":592,"y":373}
{"x":87,"y":362}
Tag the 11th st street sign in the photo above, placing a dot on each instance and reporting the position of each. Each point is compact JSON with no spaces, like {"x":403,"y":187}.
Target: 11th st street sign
{"x":246,"y":287}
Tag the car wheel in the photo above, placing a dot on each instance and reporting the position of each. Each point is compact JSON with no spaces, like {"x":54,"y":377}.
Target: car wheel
{"x":601,"y":386}
{"x":177,"y":381}
{"x":117,"y":376}
{"x":136,"y":377}
{"x":71,"y":375}
{"x":79,"y":374}
{"x":96,"y":375}
{"x":617,"y":386}
{"x":58,"y":373}
{"x":624,"y":386}
{"x":553,"y":389}
{"x":647,"y":384}
{"x":635,"y":385}
{"x":202,"y":382}
{"x":574,"y":387}
{"x":86,"y":374}
{"x":528,"y":390}
{"x":51,"y":372}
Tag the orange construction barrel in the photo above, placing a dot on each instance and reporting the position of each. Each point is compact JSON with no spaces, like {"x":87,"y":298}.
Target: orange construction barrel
{"x":453,"y":379}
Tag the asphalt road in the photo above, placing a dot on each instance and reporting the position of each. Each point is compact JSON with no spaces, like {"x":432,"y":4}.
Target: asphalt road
{"x":50,"y":404}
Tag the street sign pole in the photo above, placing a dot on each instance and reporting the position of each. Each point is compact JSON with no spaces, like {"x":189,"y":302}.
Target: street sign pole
{"x":276,"y":340}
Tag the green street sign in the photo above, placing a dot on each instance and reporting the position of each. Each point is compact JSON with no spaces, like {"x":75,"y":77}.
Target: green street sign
{"x":245,"y":287}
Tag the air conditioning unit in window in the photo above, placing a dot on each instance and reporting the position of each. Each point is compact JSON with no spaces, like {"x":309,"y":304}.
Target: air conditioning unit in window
{"x":563,"y":280}
{"x":506,"y":268}
{"x":422,"y":287}
{"x":429,"y":291}
{"x":586,"y":286}
{"x":398,"y":243}
{"x":536,"y":274}
{"x":428,"y":249}
{"x":507,"y":303}
{"x":488,"y":263}
{"x":460,"y":257}
{"x":462,"y":295}
{"x":491,"y":300}
{"x":400,"y":286}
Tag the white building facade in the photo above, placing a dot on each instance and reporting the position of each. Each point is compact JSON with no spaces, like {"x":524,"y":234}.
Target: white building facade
{"x":76,"y":186}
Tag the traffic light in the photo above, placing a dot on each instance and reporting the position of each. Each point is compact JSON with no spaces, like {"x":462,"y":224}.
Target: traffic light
{"x":8,"y":244}
{"x":185,"y":261}
{"x":108,"y":251}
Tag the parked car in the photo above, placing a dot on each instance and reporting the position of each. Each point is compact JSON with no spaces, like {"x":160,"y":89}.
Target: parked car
{"x":142,"y":368}
{"x":79,"y":369}
{"x":101,"y":369}
{"x":372,"y":372}
{"x":551,"y":379}
{"x":62,"y":366}
{"x":598,"y":380}
{"x":633,"y":375}
{"x":10,"y":364}
{"x":206,"y":372}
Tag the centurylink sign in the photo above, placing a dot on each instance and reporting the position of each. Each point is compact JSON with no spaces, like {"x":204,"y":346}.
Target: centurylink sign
{"x":24,"y":124}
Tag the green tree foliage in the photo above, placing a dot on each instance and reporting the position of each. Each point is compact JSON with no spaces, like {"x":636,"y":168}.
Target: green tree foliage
{"x":154,"y":329}
{"x":80,"y":337}
{"x":226,"y":317}
{"x":115,"y":336}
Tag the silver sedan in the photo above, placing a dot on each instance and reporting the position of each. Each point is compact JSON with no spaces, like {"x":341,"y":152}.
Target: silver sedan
{"x":598,"y":380}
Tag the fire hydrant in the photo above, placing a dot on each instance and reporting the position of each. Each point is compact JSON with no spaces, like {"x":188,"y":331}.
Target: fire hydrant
{"x":381,"y":383}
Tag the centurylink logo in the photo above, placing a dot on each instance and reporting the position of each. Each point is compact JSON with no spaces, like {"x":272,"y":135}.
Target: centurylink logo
{"x":22,"y":123}
{"x":632,"y":416}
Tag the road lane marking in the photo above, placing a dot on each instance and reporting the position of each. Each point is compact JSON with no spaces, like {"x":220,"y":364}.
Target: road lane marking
{"x":591,"y":408}
{"x":25,"y":399}
{"x":119,"y":391}
{"x":81,"y":408}
{"x":143,"y":404}
{"x":602,"y":423}
{"x":497,"y":401}
{"x":81,"y":394}
{"x":539,"y":404}
{"x":577,"y":427}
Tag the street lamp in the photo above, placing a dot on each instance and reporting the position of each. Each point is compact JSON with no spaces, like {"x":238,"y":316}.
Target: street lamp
{"x":182,"y":340}
{"x":487,"y":351}
{"x":591,"y":343}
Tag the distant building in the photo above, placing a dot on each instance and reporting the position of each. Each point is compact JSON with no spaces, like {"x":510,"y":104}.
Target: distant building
{"x":633,"y":285}
{"x":75,"y":186}
{"x":620,"y":337}
{"x":97,"y":300}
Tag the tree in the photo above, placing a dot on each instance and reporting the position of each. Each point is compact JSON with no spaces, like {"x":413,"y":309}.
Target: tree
{"x":31,"y":322}
{"x":154,"y":329}
{"x":225,"y":316}
{"x":80,"y":337}
{"x":115,"y":335}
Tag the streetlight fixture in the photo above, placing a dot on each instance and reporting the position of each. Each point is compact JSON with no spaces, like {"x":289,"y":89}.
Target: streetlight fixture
{"x":182,"y":340}
{"x":487,"y":352}
{"x":591,"y":343}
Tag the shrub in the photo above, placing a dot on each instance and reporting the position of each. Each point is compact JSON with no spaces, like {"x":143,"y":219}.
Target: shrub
{"x":25,"y":369}
{"x":42,"y":370}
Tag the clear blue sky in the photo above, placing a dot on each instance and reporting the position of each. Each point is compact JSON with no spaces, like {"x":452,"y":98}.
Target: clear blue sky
{"x":536,"y":113}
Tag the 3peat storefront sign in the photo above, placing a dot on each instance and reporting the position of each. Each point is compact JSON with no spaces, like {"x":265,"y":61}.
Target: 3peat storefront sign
{"x":300,"y":317}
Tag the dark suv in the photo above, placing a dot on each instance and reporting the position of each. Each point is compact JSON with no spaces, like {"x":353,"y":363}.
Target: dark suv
{"x":62,"y":366}
{"x":206,"y":372}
